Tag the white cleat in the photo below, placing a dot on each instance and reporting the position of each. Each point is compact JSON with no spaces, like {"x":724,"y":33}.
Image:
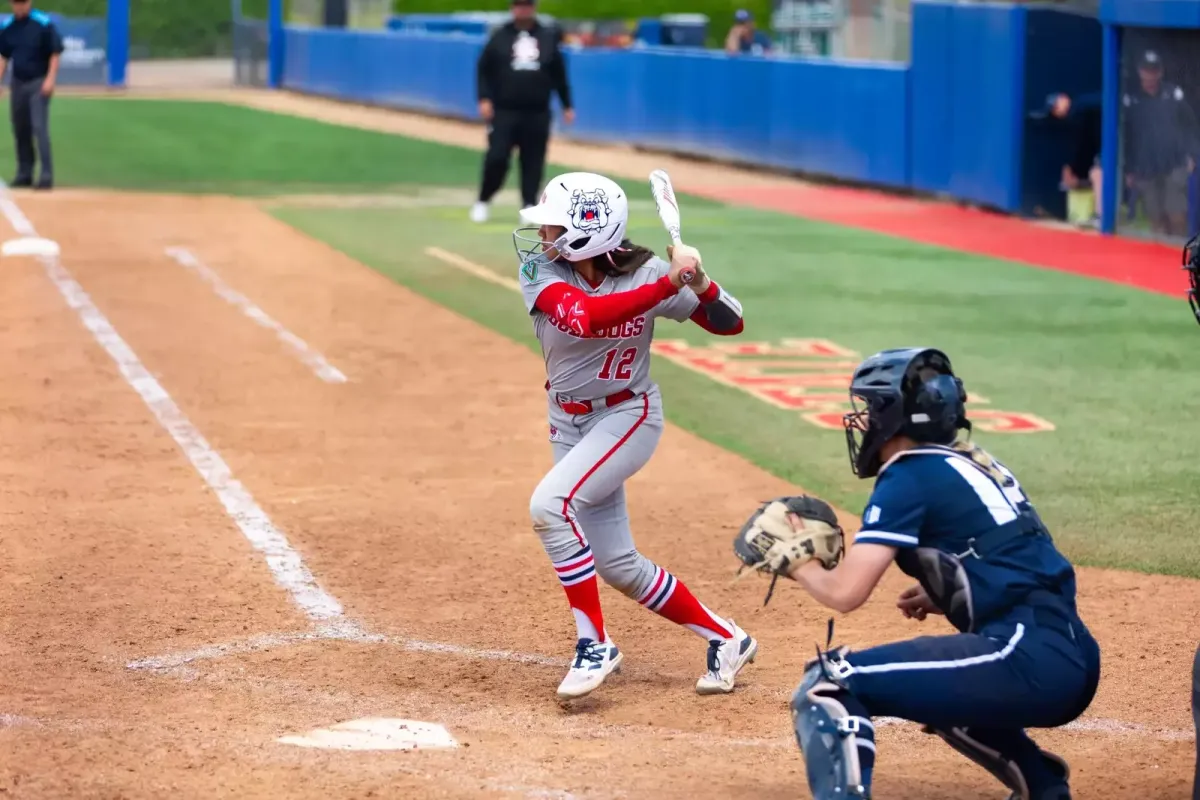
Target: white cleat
{"x":726,"y":658}
{"x":479,"y":212}
{"x":594,"y":661}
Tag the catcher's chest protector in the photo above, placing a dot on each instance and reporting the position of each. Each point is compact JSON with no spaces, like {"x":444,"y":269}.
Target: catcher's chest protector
{"x":975,"y":543}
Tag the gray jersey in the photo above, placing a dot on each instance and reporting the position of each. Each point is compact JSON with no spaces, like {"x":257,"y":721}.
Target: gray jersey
{"x":593,"y":368}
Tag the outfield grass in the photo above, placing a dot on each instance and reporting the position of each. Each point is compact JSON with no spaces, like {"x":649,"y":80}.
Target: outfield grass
{"x":181,"y":146}
{"x":1110,"y":366}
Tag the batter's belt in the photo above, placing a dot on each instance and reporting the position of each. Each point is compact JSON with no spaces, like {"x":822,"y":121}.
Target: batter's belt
{"x":579,"y":407}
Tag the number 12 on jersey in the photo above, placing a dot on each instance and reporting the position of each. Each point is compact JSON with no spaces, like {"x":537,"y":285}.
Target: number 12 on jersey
{"x":624,"y":367}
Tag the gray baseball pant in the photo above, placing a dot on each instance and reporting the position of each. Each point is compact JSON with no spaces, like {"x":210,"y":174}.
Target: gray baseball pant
{"x":30,"y":111}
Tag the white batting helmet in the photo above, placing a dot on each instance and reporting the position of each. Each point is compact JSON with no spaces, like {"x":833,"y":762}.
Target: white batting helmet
{"x":592,"y":208}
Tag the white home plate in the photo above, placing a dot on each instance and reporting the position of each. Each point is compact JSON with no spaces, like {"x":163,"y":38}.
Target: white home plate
{"x":29,"y":246}
{"x":377,"y":733}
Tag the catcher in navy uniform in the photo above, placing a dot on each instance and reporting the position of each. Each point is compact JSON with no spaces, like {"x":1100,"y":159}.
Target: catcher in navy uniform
{"x":1191,"y":263}
{"x":957,"y":521}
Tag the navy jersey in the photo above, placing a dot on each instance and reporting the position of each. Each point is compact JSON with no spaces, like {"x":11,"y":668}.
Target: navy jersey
{"x":29,"y":43}
{"x":966,"y":532}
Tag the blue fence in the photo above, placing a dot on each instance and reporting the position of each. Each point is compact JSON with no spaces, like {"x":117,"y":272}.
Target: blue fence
{"x":845,"y":120}
{"x":957,"y":122}
{"x":849,"y":121}
{"x":968,"y":100}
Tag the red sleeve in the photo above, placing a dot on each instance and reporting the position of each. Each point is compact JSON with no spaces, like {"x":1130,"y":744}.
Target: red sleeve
{"x":711,"y":293}
{"x":700,"y":315}
{"x":589,"y":316}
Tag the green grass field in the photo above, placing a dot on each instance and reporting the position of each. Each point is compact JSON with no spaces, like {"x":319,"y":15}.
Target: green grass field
{"x":1110,"y":366}
{"x":182,"y":146}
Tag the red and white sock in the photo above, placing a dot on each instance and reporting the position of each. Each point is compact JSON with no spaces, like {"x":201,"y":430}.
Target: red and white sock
{"x":577,"y":575}
{"x":668,"y":597}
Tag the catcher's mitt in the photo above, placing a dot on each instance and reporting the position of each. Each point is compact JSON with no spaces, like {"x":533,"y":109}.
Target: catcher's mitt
{"x":787,"y":531}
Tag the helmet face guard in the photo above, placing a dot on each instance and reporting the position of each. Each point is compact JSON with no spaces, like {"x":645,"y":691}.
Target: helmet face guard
{"x":910,"y":392}
{"x":1191,"y":263}
{"x":875,"y":417}
{"x":532,"y":248}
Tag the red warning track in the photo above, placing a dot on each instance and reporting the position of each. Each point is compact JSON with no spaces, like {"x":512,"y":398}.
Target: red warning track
{"x":1148,"y":266}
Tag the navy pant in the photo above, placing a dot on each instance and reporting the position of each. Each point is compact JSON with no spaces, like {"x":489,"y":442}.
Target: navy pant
{"x":1038,"y":668}
{"x":1196,"y":721}
{"x":529,"y":132}
{"x":30,"y":111}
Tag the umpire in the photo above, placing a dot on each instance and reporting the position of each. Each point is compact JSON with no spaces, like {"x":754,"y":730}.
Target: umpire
{"x":32,"y":43}
{"x":520,"y":67}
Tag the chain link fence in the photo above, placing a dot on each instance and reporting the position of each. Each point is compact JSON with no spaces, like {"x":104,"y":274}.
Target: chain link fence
{"x":869,"y":30}
{"x":1159,"y":133}
{"x":250,"y":52}
{"x":359,"y":14}
{"x":188,"y":30}
{"x":873,"y":30}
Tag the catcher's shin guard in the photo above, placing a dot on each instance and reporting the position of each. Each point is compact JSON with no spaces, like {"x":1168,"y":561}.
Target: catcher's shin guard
{"x":828,"y":736}
{"x":1005,"y":769}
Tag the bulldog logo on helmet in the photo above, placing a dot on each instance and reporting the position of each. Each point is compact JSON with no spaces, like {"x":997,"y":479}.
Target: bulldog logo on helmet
{"x":589,"y":210}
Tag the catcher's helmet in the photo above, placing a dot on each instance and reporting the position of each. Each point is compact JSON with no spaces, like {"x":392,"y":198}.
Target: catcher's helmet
{"x":909,"y":391}
{"x":592,"y":209}
{"x":1191,"y":263}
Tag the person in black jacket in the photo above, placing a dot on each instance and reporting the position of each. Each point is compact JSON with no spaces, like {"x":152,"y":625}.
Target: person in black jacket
{"x":1162,"y":138}
{"x":520,"y":67}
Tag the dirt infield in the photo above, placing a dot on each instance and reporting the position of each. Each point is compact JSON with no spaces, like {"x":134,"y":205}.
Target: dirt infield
{"x":404,"y":491}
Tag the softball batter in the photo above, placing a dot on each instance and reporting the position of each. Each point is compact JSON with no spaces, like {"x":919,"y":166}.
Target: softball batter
{"x":594,"y":298}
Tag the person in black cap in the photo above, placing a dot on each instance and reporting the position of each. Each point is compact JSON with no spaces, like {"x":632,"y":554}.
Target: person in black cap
{"x":1161,"y":141}
{"x":520,"y":67}
{"x":745,"y":37}
{"x":31,"y":42}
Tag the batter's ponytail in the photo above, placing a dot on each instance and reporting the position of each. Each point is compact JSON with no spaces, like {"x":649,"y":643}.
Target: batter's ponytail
{"x":626,"y":258}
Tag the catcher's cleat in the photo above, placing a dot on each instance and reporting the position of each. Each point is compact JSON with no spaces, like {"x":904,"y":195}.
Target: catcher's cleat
{"x":594,"y":661}
{"x":726,"y":658}
{"x":1060,"y":791}
{"x":1005,"y":768}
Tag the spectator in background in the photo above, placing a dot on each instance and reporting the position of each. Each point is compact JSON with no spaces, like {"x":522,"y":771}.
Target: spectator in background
{"x":745,"y":37}
{"x":1083,"y":115}
{"x":31,"y":43}
{"x":520,"y":67}
{"x":1160,"y":146}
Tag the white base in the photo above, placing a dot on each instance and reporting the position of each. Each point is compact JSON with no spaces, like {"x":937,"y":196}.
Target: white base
{"x":376,"y":733}
{"x":30,"y":246}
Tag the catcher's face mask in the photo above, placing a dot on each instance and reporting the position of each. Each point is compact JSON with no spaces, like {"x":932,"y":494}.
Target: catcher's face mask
{"x":865,"y":432}
{"x":910,"y":391}
{"x":1191,"y":263}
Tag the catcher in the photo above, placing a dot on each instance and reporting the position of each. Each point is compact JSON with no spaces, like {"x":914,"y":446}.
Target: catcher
{"x":957,"y":521}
